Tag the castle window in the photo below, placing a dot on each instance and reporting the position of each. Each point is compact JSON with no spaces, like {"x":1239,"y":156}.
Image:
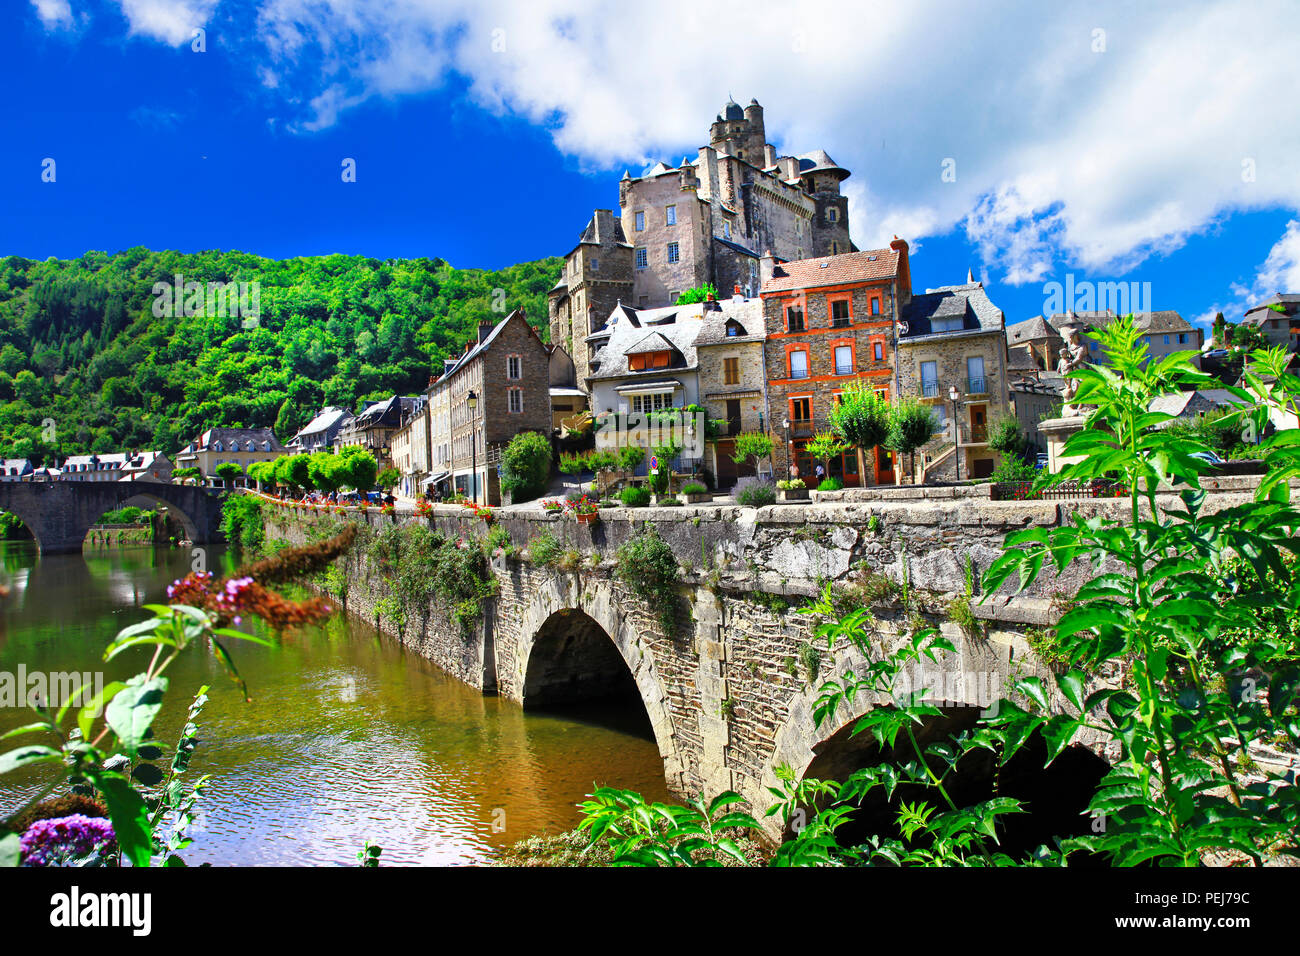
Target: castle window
{"x":726,"y":229}
{"x":835,"y":248}
{"x":641,"y":260}
{"x":640,"y":222}
{"x":595,"y":265}
{"x":832,"y":214}
{"x":673,"y":253}
{"x":670,"y":215}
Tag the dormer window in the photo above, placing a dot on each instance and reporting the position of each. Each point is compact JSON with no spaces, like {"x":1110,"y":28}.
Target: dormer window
{"x":643,"y":361}
{"x":216,"y":446}
{"x":734,"y":328}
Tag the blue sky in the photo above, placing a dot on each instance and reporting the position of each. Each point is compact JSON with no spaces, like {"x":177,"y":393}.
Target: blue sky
{"x":1155,"y":147}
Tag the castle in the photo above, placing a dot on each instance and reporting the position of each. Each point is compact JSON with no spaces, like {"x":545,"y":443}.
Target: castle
{"x":708,"y":220}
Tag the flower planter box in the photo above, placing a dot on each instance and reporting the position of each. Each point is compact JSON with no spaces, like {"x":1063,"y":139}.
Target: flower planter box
{"x":695,"y":499}
{"x":793,"y":494}
{"x":591,"y":518}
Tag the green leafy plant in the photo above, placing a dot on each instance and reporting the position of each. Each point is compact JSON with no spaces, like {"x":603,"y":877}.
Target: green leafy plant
{"x":526,"y":465}
{"x":647,"y":565}
{"x":757,"y":495}
{"x":831,"y":484}
{"x":634,"y":496}
{"x":694,"y":488}
{"x":699,"y":293}
{"x":657,"y":834}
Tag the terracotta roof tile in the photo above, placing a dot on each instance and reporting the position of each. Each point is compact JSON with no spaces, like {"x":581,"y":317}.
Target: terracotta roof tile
{"x":865,"y":266}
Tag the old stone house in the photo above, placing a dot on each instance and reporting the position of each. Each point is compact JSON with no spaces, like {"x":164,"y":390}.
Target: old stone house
{"x":732,"y":380}
{"x":498,"y":387}
{"x":646,"y":364}
{"x":373,"y":428}
{"x":830,"y":321}
{"x":1279,"y":328}
{"x":1037,"y":337}
{"x":952,"y":356}
{"x":216,"y":446}
{"x":1163,"y":332}
{"x":597,"y":276}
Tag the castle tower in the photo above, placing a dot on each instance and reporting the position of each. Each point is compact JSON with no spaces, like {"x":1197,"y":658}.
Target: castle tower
{"x":597,"y":275}
{"x":821,"y":177}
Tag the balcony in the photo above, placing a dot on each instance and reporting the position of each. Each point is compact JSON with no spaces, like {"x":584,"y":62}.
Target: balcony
{"x":843,"y":369}
{"x":976,"y":386}
{"x":974,"y":434}
{"x":801,"y":429}
{"x":798,"y":373}
{"x":929,"y":389}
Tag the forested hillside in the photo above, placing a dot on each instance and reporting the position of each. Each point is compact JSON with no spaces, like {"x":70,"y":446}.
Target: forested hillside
{"x":81,"y":347}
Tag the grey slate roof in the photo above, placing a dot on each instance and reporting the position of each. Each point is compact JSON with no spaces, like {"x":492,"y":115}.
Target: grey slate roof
{"x":629,"y":328}
{"x":747,"y":312}
{"x":1030,"y":330}
{"x":968,"y":302}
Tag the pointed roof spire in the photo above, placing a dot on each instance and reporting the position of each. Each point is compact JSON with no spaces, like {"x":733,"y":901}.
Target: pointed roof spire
{"x":970,"y":276}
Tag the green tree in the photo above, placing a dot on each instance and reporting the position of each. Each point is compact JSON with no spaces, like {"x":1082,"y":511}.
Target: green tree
{"x":229,"y":472}
{"x":911,"y":426}
{"x":700,"y":293}
{"x":862,"y":417}
{"x":359,"y":467}
{"x":526,"y":466}
{"x":388,"y":478}
{"x":752,"y":447}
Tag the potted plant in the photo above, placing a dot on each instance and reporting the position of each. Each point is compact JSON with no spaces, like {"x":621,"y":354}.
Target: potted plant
{"x":552,"y":506}
{"x":422,"y":507}
{"x":793,"y":489}
{"x":584,"y":509}
{"x":694,"y":492}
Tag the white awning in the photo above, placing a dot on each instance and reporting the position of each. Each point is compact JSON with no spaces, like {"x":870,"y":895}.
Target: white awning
{"x":650,"y":388}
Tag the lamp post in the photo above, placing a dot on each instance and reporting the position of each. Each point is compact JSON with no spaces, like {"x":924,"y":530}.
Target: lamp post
{"x":471,"y":402}
{"x":789,"y":450}
{"x":954,"y":395}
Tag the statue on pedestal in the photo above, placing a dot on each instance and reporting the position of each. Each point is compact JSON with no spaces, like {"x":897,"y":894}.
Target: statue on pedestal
{"x":1074,"y":356}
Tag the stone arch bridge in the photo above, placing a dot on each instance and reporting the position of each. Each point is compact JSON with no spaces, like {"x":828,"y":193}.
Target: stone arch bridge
{"x":59,"y":513}
{"x":729,"y":694}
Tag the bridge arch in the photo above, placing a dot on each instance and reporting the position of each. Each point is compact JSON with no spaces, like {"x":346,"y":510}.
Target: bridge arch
{"x":1054,"y":796}
{"x":59,"y":513}
{"x":153,"y":500}
{"x":575,"y":642}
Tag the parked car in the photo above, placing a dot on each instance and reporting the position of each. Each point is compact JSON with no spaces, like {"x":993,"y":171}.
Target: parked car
{"x":1040,"y":463}
{"x":1208,"y":457}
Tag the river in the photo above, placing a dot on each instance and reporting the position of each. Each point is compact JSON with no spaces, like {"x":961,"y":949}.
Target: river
{"x":348,"y":738}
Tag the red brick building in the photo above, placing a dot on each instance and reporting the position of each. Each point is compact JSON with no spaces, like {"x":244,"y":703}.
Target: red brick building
{"x":830,"y":321}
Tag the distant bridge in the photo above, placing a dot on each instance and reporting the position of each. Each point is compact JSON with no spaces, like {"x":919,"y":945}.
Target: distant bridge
{"x":59,"y":513}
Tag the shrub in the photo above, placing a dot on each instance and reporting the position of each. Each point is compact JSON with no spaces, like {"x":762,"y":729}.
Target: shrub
{"x":635,"y":497}
{"x":831,"y":484}
{"x":526,"y":466}
{"x":544,"y":548}
{"x":752,"y":445}
{"x":694,"y":488}
{"x":1012,"y":469}
{"x":648,"y":566}
{"x":757,"y":495}
{"x":791,"y":484}
{"x":700,"y":293}
{"x":630,"y":457}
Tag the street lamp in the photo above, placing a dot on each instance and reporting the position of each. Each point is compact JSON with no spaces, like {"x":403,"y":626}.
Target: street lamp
{"x":954,"y":395}
{"x":471,"y":402}
{"x":789,"y":450}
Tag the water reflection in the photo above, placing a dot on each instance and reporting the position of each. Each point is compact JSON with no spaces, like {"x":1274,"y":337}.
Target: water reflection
{"x":348,"y":737}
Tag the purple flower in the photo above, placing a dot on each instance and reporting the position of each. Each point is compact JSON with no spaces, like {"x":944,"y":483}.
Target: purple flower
{"x":68,"y":840}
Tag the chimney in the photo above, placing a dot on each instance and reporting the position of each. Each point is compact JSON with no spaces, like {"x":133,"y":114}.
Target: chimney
{"x":904,"y":271}
{"x":736,"y":294}
{"x":484,"y":330}
{"x":766,"y":267}
{"x":769,"y":155}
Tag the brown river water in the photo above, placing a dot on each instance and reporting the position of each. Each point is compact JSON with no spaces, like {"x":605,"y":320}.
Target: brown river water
{"x":348,"y":738}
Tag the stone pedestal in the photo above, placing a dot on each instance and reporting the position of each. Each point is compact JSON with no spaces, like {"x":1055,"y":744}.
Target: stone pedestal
{"x":1057,"y":431}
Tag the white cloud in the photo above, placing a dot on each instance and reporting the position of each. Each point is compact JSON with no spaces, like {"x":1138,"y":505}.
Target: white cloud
{"x":53,"y":13}
{"x":171,"y":21}
{"x":1063,"y":154}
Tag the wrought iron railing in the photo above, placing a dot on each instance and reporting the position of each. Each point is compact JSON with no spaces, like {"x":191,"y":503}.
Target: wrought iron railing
{"x":929,"y":389}
{"x":976,"y":386}
{"x":1088,"y":488}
